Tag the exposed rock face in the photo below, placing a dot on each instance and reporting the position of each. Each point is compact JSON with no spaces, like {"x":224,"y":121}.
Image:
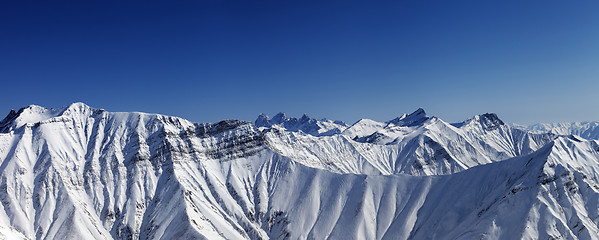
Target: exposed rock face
{"x":79,"y":172}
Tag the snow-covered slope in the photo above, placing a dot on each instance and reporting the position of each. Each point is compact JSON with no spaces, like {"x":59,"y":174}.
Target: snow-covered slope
{"x":550,"y":194}
{"x":84,"y":173}
{"x":588,"y":130}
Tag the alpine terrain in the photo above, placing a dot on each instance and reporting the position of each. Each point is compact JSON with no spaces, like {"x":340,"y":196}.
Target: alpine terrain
{"x":83,"y":173}
{"x":588,"y":130}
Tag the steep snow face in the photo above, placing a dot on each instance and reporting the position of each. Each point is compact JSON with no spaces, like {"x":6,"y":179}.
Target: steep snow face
{"x":588,"y":130}
{"x":91,"y":174}
{"x":305,"y":124}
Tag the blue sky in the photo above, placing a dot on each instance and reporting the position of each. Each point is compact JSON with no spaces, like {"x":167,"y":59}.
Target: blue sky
{"x":527,"y":61}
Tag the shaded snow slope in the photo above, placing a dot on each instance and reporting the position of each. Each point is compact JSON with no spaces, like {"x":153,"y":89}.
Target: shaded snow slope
{"x":84,"y":173}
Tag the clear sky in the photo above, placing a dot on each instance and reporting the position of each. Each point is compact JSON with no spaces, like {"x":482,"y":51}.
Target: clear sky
{"x":527,"y":61}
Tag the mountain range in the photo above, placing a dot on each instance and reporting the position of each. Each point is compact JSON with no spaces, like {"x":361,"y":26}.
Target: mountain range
{"x":80,"y":172}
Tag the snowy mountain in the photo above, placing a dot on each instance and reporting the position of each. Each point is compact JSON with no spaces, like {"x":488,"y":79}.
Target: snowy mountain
{"x":84,"y":173}
{"x":588,"y":130}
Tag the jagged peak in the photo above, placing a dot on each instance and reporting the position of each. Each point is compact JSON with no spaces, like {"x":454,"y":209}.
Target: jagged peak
{"x":305,"y":118}
{"x":279,"y":118}
{"x":282,"y":118}
{"x":488,"y":121}
{"x":263,"y":120}
{"x":305,"y":124}
{"x":407,"y":120}
{"x":491,"y":117}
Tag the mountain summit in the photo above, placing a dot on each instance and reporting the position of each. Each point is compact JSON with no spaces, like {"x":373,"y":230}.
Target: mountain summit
{"x":36,"y":114}
{"x":410,"y":120}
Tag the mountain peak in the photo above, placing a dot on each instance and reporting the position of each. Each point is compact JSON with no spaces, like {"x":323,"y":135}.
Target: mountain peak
{"x":77,"y":107}
{"x":304,"y":118}
{"x":262,"y":121}
{"x":488,"y":121}
{"x":418,"y":111}
{"x":34,"y":114}
{"x":279,"y":118}
{"x":408,"y":120}
{"x":27,"y":115}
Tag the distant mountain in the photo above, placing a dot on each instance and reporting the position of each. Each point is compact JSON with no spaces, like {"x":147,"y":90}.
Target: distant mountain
{"x":305,"y":124}
{"x":588,"y":130}
{"x":82,"y":173}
